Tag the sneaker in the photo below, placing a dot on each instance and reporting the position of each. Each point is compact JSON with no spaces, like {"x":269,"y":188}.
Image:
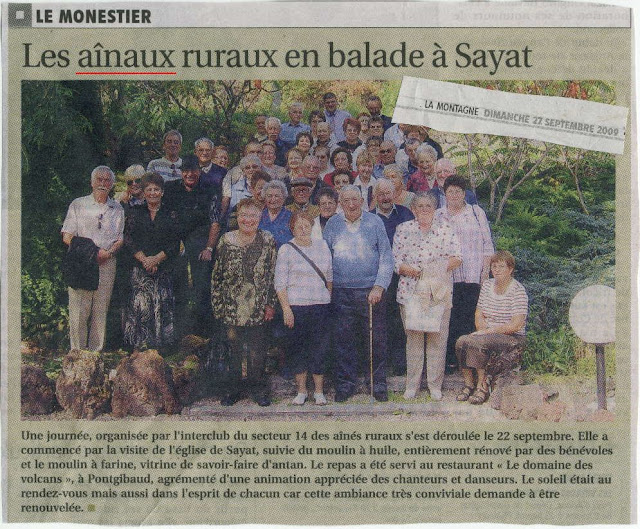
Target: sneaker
{"x":436,"y":394}
{"x":409,"y":395}
{"x":320,"y":399}
{"x":300,"y":399}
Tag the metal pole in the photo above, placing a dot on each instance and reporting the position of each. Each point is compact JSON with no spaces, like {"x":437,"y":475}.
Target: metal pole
{"x":601,"y":377}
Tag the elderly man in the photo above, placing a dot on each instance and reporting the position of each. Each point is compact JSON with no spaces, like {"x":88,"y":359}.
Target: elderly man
{"x":362,"y":270}
{"x":290,"y":130}
{"x":392,"y":215}
{"x":169,"y":165}
{"x":387,"y":153}
{"x":311,"y":170}
{"x":335,"y":117}
{"x":301,"y":195}
{"x":374,"y":107}
{"x":407,"y":158}
{"x":261,"y":128}
{"x":93,"y":228}
{"x":210,"y":175}
{"x":253,"y":147}
{"x":198,"y":215}
{"x":274,"y":127}
{"x":444,"y":169}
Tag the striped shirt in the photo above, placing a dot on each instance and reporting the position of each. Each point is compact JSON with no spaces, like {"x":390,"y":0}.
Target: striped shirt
{"x":473,"y":232}
{"x":498,"y":309}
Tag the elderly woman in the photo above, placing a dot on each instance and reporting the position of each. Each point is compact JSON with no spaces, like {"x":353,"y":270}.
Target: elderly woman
{"x":472,"y":227}
{"x":303,"y":283}
{"x":257,"y":182}
{"x":496,"y":345}
{"x":365,"y":181}
{"x":152,"y":238}
{"x":425,"y":251}
{"x":328,"y":204}
{"x":275,"y":217}
{"x":341,"y":159}
{"x":294,"y":163}
{"x":304,"y":141}
{"x":363,"y":118}
{"x":351,"y":128}
{"x":133,"y":195}
{"x":315,"y":117}
{"x":243,"y":299}
{"x":324,"y":136}
{"x":401,"y":196}
{"x":424,"y":179}
{"x":268,"y":156}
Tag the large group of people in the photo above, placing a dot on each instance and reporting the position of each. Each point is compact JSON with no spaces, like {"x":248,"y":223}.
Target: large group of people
{"x":346,"y":242}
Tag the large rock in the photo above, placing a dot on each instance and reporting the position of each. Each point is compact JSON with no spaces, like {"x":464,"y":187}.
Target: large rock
{"x":189,"y":381}
{"x":38,"y":393}
{"x":510,"y":378}
{"x":143,"y":386}
{"x":522,"y":402}
{"x":552,"y":411}
{"x":81,"y":387}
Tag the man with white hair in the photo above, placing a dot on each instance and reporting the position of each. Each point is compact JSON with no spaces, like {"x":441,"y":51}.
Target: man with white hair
{"x":94,"y":228}
{"x":274,"y":127}
{"x":362,"y":270}
{"x":392,"y":215}
{"x":290,"y":130}
{"x":444,"y":169}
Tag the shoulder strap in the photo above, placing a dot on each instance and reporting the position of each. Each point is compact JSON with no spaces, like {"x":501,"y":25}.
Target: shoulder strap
{"x":313,"y":265}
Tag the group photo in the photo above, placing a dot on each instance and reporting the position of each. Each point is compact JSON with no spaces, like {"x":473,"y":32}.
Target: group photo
{"x":247,"y":249}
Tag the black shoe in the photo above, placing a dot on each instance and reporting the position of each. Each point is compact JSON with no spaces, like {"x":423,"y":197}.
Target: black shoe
{"x":450,"y":369}
{"x":262,"y":400}
{"x":341,"y":396}
{"x":381,"y":396}
{"x":229,"y":399}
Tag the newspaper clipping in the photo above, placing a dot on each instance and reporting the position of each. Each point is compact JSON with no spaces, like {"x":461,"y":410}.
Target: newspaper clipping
{"x":318,"y":263}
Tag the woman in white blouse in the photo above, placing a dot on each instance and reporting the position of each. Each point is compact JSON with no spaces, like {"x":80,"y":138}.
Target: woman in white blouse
{"x":303,"y":281}
{"x":425,"y":249}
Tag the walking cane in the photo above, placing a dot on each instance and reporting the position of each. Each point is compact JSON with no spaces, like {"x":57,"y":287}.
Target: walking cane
{"x":371,"y":398}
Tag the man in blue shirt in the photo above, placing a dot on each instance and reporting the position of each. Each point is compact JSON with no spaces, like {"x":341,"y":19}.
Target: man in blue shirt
{"x":290,"y":130}
{"x":362,"y":270}
{"x":334,"y":116}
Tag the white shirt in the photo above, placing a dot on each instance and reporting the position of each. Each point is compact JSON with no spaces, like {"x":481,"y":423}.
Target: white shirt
{"x":102,"y":223}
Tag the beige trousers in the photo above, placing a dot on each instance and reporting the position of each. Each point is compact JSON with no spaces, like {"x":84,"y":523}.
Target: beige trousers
{"x":436,"y":350}
{"x":88,"y":311}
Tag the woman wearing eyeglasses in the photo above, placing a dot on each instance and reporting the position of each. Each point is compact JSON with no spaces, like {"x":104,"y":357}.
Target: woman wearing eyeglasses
{"x":132,"y":195}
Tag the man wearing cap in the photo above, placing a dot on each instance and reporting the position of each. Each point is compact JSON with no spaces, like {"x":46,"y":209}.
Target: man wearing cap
{"x":198,"y":215}
{"x":301,"y":195}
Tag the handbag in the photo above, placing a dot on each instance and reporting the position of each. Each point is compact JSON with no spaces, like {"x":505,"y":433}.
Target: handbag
{"x":423,"y":312}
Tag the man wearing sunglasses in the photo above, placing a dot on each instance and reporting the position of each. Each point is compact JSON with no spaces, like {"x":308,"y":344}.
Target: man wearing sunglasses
{"x":97,"y":223}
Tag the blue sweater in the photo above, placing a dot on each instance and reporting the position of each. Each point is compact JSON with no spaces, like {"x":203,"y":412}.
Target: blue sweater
{"x":363,"y":258}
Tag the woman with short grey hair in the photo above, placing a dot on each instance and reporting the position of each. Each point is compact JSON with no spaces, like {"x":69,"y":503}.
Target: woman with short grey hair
{"x":425,"y":251}
{"x":275,"y":217}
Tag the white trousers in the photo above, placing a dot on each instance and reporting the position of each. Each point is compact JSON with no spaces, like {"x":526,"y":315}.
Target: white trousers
{"x":88,"y":311}
{"x":436,"y":351}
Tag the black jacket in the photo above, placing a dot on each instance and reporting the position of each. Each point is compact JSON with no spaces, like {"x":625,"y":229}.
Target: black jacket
{"x":80,"y":265}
